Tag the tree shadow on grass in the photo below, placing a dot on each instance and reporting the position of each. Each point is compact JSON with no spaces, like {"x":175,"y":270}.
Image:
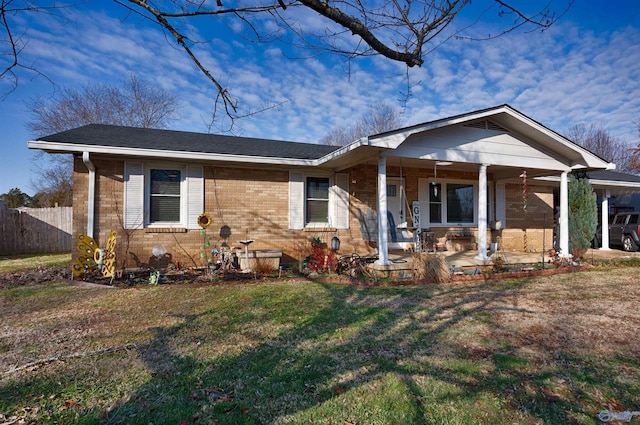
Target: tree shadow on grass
{"x":363,"y":340}
{"x":365,"y":355}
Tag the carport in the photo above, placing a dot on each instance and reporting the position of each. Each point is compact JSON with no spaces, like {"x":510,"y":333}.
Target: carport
{"x":610,"y":185}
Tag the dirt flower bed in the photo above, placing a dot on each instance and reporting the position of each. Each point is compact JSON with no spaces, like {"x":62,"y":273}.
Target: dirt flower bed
{"x":200,"y":277}
{"x":30,"y":277}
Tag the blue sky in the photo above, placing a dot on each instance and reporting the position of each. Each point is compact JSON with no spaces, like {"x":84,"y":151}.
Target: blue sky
{"x":585,"y":69}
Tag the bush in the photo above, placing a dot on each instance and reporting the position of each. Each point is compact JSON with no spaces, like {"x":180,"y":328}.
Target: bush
{"x":583,"y":215}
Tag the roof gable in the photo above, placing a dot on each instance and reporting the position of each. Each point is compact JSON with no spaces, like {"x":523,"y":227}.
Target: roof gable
{"x":499,"y":120}
{"x":462,"y":143}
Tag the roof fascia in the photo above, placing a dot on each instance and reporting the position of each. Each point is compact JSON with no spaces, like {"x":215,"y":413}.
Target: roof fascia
{"x":596,"y":182}
{"x":363,"y":141}
{"x":557,"y":137}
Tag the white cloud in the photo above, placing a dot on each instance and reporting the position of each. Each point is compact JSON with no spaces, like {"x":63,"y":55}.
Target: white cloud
{"x":560,"y":77}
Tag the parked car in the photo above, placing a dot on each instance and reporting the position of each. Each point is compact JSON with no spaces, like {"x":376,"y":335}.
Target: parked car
{"x":624,"y":232}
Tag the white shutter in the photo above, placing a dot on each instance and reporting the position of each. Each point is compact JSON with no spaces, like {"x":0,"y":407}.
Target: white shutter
{"x":195,"y":195}
{"x":296,"y":200}
{"x":133,"y":195}
{"x":341,"y":201}
{"x":501,"y":207}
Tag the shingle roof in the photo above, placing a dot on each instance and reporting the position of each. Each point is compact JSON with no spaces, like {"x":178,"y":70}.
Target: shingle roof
{"x":170,"y":140}
{"x":614,"y":176}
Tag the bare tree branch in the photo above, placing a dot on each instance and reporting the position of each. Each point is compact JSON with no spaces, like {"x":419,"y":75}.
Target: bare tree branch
{"x":400,"y":30}
{"x":14,"y":43}
{"x":601,"y":142}
{"x":134,"y":103}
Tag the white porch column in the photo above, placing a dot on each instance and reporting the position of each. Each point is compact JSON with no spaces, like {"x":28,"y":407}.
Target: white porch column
{"x":564,"y":215}
{"x":604,"y":243}
{"x":91,"y":196}
{"x":482,"y":214}
{"x":383,"y":222}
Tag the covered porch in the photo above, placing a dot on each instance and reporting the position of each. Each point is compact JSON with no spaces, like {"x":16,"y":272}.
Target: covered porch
{"x":474,"y":176}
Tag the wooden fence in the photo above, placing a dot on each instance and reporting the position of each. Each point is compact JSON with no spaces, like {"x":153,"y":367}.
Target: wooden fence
{"x":35,"y":230}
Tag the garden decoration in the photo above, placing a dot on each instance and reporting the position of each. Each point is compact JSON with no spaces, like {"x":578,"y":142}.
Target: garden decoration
{"x":154,"y":278}
{"x":525,"y":189}
{"x":246,"y":242}
{"x":320,"y":259}
{"x":204,"y":221}
{"x":227,"y":260}
{"x":158,"y":251}
{"x":92,"y":260}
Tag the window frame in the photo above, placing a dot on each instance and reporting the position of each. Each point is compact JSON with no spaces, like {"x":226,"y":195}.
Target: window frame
{"x":443,"y":203}
{"x":330,"y":200}
{"x":149,"y":167}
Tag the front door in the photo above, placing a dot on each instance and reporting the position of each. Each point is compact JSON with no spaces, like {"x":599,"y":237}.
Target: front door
{"x":396,"y":203}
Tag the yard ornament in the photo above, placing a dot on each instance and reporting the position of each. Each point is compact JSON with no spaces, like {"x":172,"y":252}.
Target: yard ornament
{"x":204,"y":220}
{"x":92,"y":260}
{"x":525,"y":189}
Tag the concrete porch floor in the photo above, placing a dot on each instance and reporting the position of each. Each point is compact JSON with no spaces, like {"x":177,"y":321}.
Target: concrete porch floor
{"x":402,"y":260}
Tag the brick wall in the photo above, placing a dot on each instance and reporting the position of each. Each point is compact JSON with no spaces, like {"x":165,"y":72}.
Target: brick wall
{"x":524,"y":229}
{"x":253,"y":203}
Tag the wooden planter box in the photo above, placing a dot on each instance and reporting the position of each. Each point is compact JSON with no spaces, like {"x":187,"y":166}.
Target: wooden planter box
{"x":263,"y":257}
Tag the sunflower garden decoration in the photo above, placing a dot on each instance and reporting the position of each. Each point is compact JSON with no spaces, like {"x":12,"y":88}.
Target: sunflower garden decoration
{"x":204,"y":221}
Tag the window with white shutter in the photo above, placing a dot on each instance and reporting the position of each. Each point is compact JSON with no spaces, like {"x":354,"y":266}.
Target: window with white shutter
{"x":318,"y":201}
{"x":162,"y":195}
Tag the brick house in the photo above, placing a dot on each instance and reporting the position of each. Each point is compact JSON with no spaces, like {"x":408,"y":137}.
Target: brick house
{"x":152,"y":185}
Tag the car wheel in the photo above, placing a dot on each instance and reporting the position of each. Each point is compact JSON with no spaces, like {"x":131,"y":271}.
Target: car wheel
{"x":628,"y":244}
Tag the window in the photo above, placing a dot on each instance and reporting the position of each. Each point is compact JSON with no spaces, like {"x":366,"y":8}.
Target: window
{"x":318,"y":201}
{"x":164,"y":195}
{"x":435,"y":202}
{"x":452,"y":203}
{"x":620,"y":219}
{"x":459,"y":203}
{"x":317,"y":195}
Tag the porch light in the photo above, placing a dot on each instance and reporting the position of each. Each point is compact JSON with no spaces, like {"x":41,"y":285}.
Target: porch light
{"x":335,"y":243}
{"x":434,"y":183}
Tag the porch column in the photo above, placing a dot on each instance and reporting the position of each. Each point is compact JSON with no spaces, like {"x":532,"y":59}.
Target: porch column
{"x":383,"y":222}
{"x":482,"y":214}
{"x":604,"y":243}
{"x":91,"y":195}
{"x":564,"y":215}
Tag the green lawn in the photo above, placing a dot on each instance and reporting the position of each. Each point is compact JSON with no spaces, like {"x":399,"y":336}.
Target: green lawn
{"x":550,"y":350}
{"x":14,"y":263}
